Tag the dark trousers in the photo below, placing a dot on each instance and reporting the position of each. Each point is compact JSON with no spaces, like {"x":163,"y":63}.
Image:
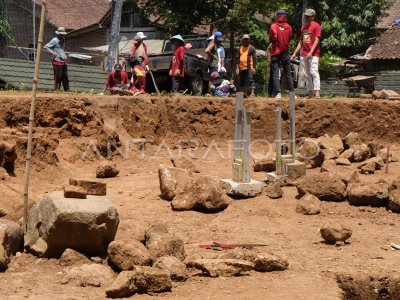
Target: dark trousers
{"x":246,"y":80}
{"x":61,"y":76}
{"x":284,"y":60}
{"x":176,"y":82}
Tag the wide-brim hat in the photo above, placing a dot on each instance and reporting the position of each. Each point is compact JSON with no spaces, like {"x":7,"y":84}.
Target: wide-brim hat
{"x":178,"y":37}
{"x":139,"y":36}
{"x":61,"y":30}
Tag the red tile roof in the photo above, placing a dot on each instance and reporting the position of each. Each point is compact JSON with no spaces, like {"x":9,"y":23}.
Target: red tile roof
{"x":387,"y":45}
{"x":393,"y":13}
{"x":76,"y":14}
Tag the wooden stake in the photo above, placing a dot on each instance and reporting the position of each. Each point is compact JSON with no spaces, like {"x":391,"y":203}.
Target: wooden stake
{"x":32,"y":113}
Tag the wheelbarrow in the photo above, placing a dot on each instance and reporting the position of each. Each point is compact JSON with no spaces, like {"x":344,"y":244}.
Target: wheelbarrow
{"x":361,"y":81}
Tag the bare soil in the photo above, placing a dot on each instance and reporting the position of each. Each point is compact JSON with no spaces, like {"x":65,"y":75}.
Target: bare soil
{"x":146,"y":132}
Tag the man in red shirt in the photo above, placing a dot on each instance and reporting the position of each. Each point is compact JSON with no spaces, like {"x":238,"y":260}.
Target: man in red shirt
{"x":177,"y":71}
{"x":310,"y":36}
{"x":280,"y":36}
{"x":117,"y":81}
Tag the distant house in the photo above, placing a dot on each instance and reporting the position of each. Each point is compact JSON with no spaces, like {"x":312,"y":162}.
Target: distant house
{"x":393,"y":13}
{"x":86,"y":21}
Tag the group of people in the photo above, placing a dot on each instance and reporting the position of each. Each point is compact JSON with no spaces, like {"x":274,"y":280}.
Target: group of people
{"x":280,"y":36}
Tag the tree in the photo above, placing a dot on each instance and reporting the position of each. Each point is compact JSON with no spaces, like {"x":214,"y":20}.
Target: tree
{"x":113,"y":48}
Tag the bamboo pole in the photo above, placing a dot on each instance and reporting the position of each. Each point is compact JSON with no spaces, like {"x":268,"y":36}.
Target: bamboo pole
{"x":32,"y":113}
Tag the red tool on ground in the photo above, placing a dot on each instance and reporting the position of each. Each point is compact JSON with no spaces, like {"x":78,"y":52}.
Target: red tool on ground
{"x":221,"y":246}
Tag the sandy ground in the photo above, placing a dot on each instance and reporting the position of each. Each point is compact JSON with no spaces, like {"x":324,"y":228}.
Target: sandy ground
{"x":135,"y":192}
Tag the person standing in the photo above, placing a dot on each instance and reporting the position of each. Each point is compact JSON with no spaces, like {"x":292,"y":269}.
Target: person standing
{"x":310,"y":38}
{"x":280,"y":36}
{"x":246,"y":67}
{"x":139,"y":50}
{"x":216,"y":54}
{"x":177,"y":70}
{"x":138,"y":79}
{"x":59,"y":62}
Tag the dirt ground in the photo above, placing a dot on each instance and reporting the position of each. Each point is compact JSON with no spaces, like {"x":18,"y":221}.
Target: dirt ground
{"x":148,"y":130}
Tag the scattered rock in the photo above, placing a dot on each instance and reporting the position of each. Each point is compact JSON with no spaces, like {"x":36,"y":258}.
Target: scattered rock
{"x":11,"y":241}
{"x":394,"y":196}
{"x":90,"y":275}
{"x":173,"y":181}
{"x":334,"y":142}
{"x":361,"y":152}
{"x":141,"y":280}
{"x":4,"y":175}
{"x":375,"y":147}
{"x":97,"y":260}
{"x":274,"y":190}
{"x":342,"y":162}
{"x":8,"y":156}
{"x":374,"y":194}
{"x":185,"y":163}
{"x":325,"y":186}
{"x":174,"y":266}
{"x":267,"y":165}
{"x":310,"y":153}
{"x":383,"y":154}
{"x":133,"y":229}
{"x":53,"y":224}
{"x":107,"y":169}
{"x":328,"y":165}
{"x":374,"y":162}
{"x":330,"y":153}
{"x":204,"y":194}
{"x":222,"y":267}
{"x":308,"y":205}
{"x":352,"y":139}
{"x":266,"y":262}
{"x":3,"y":213}
{"x":335,"y":233}
{"x":347,"y":154}
{"x":377,"y":95}
{"x":241,"y":190}
{"x":71,"y":257}
{"x":161,"y":243}
{"x":95,"y":188}
{"x":368,"y":168}
{"x":126,"y":254}
{"x":72,"y":191}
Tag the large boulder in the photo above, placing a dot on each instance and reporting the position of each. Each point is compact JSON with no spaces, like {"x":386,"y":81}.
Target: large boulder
{"x":221,"y":267}
{"x":361,"y":152}
{"x":141,"y":280}
{"x":54,"y":224}
{"x":394,"y":196}
{"x":333,"y":233}
{"x":310,"y":153}
{"x":174,"y":266}
{"x":325,"y":186}
{"x":352,"y":139}
{"x":184,"y":162}
{"x":161,"y":243}
{"x":308,"y":205}
{"x":334,"y":143}
{"x":375,"y":194}
{"x":173,"y":180}
{"x":204,"y":194}
{"x":94,"y":275}
{"x":107,"y":169}
{"x":265,"y":262}
{"x":11,"y":241}
{"x":128,"y":253}
{"x":347,"y":174}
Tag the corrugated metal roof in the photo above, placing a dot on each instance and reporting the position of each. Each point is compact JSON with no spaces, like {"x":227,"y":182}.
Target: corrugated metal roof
{"x":153,"y":47}
{"x":19,"y":73}
{"x":387,"y":46}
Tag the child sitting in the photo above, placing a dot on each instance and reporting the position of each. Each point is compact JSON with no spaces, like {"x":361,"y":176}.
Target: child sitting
{"x":138,"y":79}
{"x":221,"y":87}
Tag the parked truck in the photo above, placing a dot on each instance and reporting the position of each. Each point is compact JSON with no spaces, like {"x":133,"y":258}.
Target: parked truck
{"x":196,"y":66}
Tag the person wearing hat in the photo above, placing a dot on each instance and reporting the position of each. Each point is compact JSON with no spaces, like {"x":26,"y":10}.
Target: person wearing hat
{"x":310,"y":36}
{"x":139,"y":50}
{"x":246,"y":67}
{"x":56,"y":48}
{"x":177,"y":70}
{"x":138,"y":79}
{"x":280,"y":36}
{"x":117,"y":82}
{"x":221,"y":87}
{"x":216,"y":54}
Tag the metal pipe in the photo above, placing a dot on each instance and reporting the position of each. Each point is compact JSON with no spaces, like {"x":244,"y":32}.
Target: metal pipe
{"x":278,"y":139}
{"x":292,"y":118}
{"x":247,"y":140}
{"x":32,"y":113}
